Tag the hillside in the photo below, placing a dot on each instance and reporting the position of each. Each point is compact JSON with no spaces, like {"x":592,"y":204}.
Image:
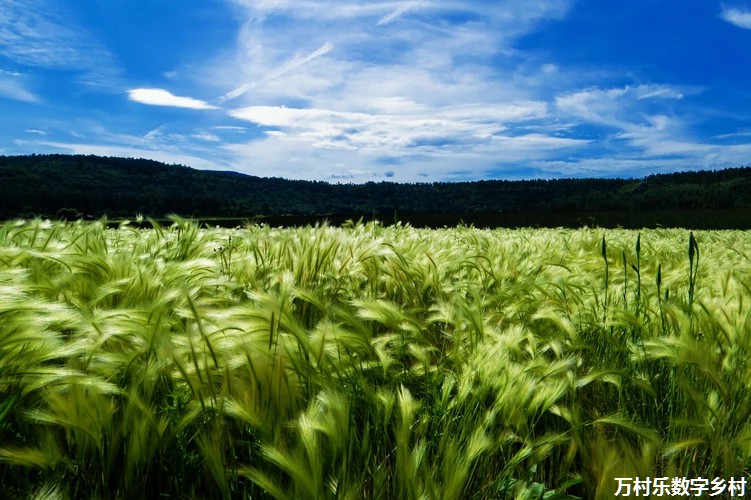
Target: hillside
{"x":62,"y":185}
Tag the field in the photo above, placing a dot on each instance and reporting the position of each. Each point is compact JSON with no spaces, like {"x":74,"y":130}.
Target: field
{"x":369,"y":361}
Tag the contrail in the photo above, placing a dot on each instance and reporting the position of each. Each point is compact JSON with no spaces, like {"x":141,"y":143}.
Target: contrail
{"x":294,"y":63}
{"x":396,"y":13}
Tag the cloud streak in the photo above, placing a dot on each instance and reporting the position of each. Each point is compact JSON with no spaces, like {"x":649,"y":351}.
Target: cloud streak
{"x":161,"y":97}
{"x":616,"y":106}
{"x":289,"y":66}
{"x":396,"y":13}
{"x":320,"y":9}
{"x":737,"y":17}
{"x":11,"y":88}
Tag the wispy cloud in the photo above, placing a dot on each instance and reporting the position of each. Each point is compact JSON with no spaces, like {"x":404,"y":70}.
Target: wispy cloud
{"x":168,"y":156}
{"x":42,"y":33}
{"x":642,"y":134}
{"x":428,"y":90}
{"x":11,"y":88}
{"x":520,"y":11}
{"x":321,"y":9}
{"x":616,"y":106}
{"x":231,"y":128}
{"x":161,"y":97}
{"x":448,"y":41}
{"x":170,"y":143}
{"x":287,"y":67}
{"x":325,"y":143}
{"x":396,"y":13}
{"x":206,"y":136}
{"x":736,"y":16}
{"x":394,"y":133}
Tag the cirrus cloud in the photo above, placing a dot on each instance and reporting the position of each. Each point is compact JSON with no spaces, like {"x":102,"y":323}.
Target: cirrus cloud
{"x":46,"y":34}
{"x":11,"y":88}
{"x":391,"y":133}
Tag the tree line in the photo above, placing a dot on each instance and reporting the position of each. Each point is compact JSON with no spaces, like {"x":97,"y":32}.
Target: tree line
{"x":71,"y":186}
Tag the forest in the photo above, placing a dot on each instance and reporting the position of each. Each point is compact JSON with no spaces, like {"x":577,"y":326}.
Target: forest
{"x":77,"y":186}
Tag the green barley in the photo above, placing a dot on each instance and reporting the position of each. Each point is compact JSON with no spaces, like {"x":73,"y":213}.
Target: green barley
{"x":368,"y":361}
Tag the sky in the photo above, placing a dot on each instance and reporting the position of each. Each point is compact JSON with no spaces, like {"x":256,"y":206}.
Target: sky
{"x":373,"y":90}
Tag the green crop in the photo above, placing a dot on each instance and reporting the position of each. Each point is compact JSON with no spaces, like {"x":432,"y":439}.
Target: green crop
{"x":368,"y":361}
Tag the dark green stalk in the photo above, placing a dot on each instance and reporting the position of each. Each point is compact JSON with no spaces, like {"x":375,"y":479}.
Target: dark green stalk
{"x":638,"y":274}
{"x":693,"y":270}
{"x":659,"y":296}
{"x":604,"y":251}
{"x":625,"y":279}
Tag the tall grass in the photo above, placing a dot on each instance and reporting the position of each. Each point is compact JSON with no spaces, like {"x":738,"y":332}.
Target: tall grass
{"x":368,"y":361}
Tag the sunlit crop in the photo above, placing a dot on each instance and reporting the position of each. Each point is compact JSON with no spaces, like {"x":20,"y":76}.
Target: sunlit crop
{"x":369,"y":361}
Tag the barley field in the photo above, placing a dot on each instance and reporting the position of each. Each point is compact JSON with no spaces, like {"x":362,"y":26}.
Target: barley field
{"x":368,"y":361}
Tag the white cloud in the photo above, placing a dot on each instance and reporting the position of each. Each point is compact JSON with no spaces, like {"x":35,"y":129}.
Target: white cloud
{"x":170,"y":156}
{"x":43,"y":33}
{"x":443,"y":43}
{"x":353,"y":89}
{"x":414,"y":87}
{"x":739,"y":134}
{"x":519,"y":11}
{"x":663,"y":156}
{"x":320,"y":9}
{"x":645,"y":135}
{"x":155,"y":133}
{"x":316,"y":143}
{"x":396,"y":13}
{"x":206,"y":136}
{"x":285,"y":68}
{"x":231,"y":128}
{"x":11,"y":88}
{"x":737,"y":17}
{"x":161,"y":97}
{"x":280,"y":156}
{"x":614,"y":107}
{"x":539,"y":142}
{"x":392,"y":133}
{"x":410,"y":93}
{"x":593,"y":105}
{"x":657,"y":92}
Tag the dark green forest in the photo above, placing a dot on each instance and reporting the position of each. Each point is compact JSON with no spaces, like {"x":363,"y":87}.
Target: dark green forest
{"x":67,"y":186}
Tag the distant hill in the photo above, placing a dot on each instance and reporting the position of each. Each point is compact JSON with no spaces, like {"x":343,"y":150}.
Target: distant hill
{"x":67,"y":185}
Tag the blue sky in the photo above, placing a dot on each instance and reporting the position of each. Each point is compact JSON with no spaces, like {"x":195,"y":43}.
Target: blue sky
{"x":347,"y":91}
